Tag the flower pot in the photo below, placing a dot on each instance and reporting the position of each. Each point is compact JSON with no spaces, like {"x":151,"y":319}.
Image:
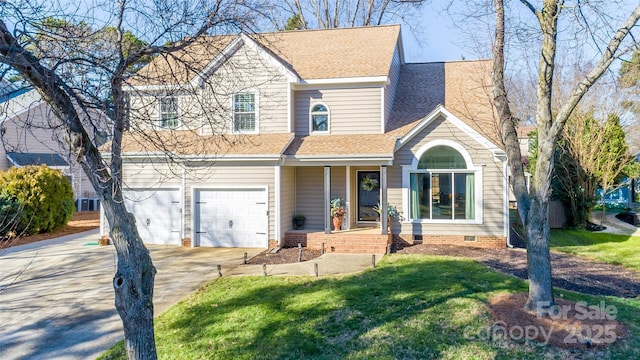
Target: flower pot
{"x":298,"y":222}
{"x":337,"y":223}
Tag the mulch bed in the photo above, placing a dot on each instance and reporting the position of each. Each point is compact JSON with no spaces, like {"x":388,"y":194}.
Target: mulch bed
{"x":571,"y":325}
{"x":81,"y":221}
{"x":569,"y":272}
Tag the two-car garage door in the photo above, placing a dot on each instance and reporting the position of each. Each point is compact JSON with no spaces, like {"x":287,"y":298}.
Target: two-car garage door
{"x":231,"y":217}
{"x":221,"y":218}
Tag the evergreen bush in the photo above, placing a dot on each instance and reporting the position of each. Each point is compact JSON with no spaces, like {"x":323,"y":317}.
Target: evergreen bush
{"x":43,"y":194}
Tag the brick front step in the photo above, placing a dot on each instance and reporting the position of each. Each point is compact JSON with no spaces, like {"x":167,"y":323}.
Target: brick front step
{"x":342,"y":242}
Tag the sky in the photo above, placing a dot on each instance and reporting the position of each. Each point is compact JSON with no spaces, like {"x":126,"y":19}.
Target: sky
{"x":438,"y":39}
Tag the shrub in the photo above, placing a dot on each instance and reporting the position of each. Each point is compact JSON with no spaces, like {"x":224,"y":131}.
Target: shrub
{"x":11,"y":215}
{"x":44,"y":195}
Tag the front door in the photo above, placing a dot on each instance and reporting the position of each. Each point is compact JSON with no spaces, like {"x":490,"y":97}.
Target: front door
{"x":368,"y":195}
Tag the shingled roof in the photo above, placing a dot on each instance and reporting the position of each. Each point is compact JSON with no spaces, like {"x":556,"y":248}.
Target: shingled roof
{"x":311,"y":54}
{"x":343,"y":145}
{"x":462,"y":87}
{"x":190,"y":143}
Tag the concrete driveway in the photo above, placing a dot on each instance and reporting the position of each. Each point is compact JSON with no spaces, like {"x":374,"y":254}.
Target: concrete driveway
{"x":56,"y":297}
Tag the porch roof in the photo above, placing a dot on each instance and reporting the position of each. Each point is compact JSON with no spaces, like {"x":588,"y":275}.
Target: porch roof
{"x":191,"y":143}
{"x":365,"y":146}
{"x":26,"y":159}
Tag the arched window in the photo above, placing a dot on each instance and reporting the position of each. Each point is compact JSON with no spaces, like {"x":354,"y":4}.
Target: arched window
{"x":442,"y":187}
{"x":319,"y":116}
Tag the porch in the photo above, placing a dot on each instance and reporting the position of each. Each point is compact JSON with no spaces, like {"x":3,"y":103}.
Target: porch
{"x":366,"y":240}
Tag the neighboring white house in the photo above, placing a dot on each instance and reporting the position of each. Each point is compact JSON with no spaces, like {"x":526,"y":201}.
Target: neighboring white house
{"x":316,"y":115}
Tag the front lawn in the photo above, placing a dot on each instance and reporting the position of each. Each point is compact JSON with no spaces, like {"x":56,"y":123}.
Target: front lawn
{"x":611,"y":248}
{"x":408,"y":307}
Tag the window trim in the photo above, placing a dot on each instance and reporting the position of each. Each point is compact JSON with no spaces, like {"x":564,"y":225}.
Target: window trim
{"x":477,"y":170}
{"x":178,"y":111}
{"x":319,"y":132}
{"x":256,"y":112}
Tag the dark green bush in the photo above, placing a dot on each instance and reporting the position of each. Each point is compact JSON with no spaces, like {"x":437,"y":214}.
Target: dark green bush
{"x":11,"y":215}
{"x":44,"y":195}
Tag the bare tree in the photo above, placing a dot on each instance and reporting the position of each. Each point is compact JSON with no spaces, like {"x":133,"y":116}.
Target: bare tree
{"x":533,"y":205}
{"x":81,"y":72}
{"x":324,"y":14}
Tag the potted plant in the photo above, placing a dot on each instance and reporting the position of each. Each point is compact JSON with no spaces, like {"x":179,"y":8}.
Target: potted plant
{"x":392,"y":213}
{"x":298,"y":221}
{"x":392,"y":210}
{"x":337,"y":212}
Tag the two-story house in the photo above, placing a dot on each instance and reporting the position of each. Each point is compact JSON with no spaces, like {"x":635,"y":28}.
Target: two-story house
{"x":31,"y":135}
{"x":225,"y":150}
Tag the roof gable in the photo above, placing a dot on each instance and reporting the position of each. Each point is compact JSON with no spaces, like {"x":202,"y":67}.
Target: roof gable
{"x":441,"y":111}
{"x":304,"y":54}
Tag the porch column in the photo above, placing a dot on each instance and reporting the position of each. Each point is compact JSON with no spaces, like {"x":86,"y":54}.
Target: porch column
{"x":327,"y":199}
{"x":347,"y":187}
{"x":384,"y":220}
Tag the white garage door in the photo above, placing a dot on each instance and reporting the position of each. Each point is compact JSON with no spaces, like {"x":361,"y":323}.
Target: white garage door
{"x":231,"y":218}
{"x":157,"y":214}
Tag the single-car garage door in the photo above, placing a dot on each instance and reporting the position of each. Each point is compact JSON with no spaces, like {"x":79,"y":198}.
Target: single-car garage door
{"x":157,"y":214}
{"x":231,"y":217}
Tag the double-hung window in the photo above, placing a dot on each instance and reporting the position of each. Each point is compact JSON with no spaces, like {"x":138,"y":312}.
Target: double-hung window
{"x":244,"y":112}
{"x":442,"y":187}
{"x":169,"y":112}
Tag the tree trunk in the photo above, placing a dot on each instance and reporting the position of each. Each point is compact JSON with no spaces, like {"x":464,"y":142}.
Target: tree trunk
{"x":132,"y":283}
{"x":538,"y":257}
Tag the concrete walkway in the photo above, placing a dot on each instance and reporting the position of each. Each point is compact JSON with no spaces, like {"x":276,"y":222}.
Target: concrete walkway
{"x":613,"y":224}
{"x":57,"y":301}
{"x":327,"y":264}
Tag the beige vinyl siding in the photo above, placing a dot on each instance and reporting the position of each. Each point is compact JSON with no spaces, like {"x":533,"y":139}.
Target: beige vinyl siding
{"x":492,"y":182}
{"x":209,"y":109}
{"x":355,"y":110}
{"x":287,"y":198}
{"x":145,"y":109}
{"x":148,"y":174}
{"x":394,"y":197}
{"x":144,"y":112}
{"x":310,"y":195}
{"x":390,"y":89}
{"x":339,"y":182}
{"x":246,"y":72}
{"x":310,"y":192}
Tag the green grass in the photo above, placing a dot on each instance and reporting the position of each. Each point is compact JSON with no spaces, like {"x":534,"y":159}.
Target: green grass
{"x":611,"y":248}
{"x":408,"y":307}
